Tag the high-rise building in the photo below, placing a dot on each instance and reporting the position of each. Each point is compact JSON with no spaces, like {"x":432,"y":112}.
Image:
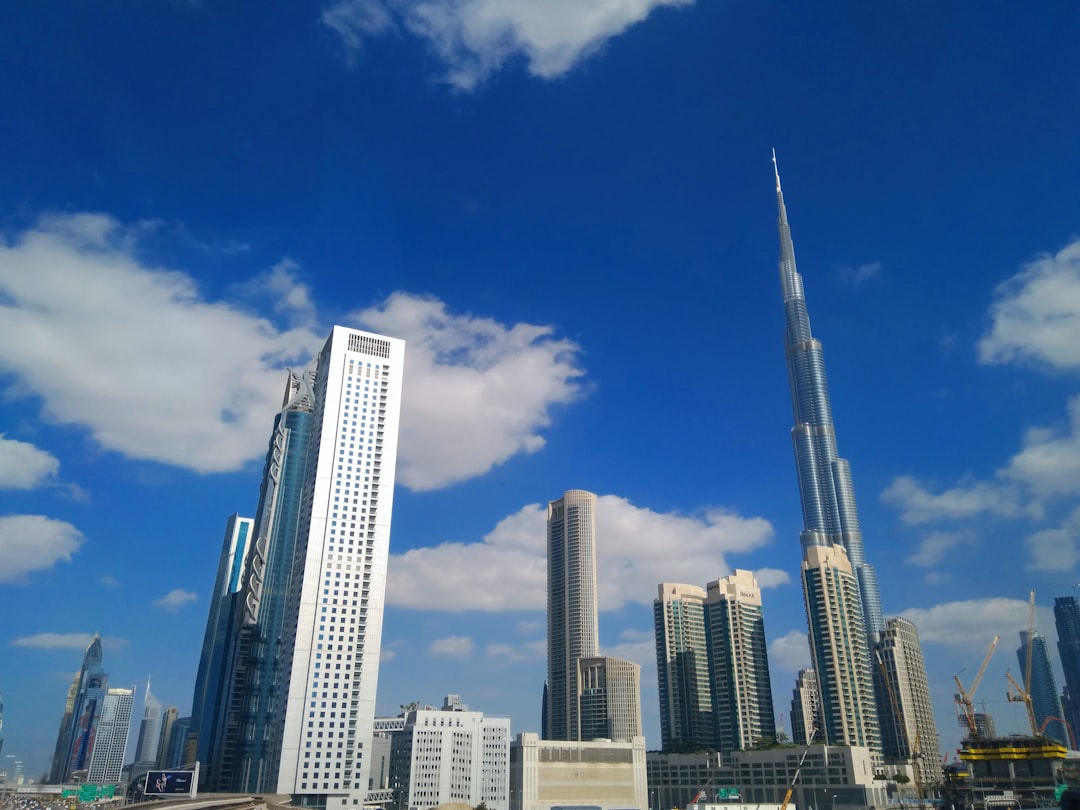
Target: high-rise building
{"x":608,"y":699}
{"x":82,"y":711}
{"x":111,"y":739}
{"x":682,"y":668}
{"x":738,"y":662}
{"x":805,"y":708}
{"x":168,"y":726}
{"x":908,"y":729}
{"x":573,"y":630}
{"x":1067,"y":622}
{"x":1043,"y":686}
{"x":838,"y":648}
{"x":830,"y":523}
{"x":450,"y":755}
{"x":148,"y":744}
{"x":217,"y":663}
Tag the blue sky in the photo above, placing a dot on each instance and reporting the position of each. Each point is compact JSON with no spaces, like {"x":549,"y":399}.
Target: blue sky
{"x":567,"y":210}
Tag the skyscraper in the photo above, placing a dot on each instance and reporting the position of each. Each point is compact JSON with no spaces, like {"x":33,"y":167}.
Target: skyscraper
{"x":826,"y":491}
{"x":738,"y":662}
{"x":148,"y":745}
{"x":831,"y":539}
{"x":908,"y":729}
{"x":805,"y":708}
{"x":682,"y":668}
{"x":1043,"y":687}
{"x":75,"y":742}
{"x":608,"y":699}
{"x":111,"y":739}
{"x":1067,"y":622}
{"x":573,"y":630}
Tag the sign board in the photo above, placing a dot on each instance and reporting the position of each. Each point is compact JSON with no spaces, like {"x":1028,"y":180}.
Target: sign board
{"x":169,"y":783}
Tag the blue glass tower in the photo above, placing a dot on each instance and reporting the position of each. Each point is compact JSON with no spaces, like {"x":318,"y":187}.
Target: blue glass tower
{"x":1067,"y":622}
{"x":1043,"y":687}
{"x":830,"y":516}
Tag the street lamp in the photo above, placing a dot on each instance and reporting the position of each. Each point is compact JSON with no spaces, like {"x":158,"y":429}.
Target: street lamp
{"x":832,"y":805}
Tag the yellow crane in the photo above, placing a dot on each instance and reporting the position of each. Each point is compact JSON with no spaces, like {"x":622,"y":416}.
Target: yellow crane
{"x":964,"y":697}
{"x":795,"y":778}
{"x":1016,"y":694}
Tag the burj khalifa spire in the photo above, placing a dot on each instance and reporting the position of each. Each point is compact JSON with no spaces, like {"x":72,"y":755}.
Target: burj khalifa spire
{"x":830,"y":516}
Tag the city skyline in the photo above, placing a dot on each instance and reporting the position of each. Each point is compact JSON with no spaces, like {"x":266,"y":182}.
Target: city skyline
{"x":194,"y":193}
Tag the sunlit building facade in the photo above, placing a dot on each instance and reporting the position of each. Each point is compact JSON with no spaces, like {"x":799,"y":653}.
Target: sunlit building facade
{"x":682,"y":668}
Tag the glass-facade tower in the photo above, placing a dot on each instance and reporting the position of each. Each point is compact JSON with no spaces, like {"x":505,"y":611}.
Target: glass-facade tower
{"x":1067,"y":622}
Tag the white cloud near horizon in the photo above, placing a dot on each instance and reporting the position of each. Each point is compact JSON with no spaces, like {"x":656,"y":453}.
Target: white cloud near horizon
{"x":175,"y":599}
{"x":970,"y":624}
{"x":82,"y":314}
{"x":476,"y":38}
{"x":34,"y":542}
{"x":24,"y":466}
{"x":636,"y":549}
{"x":453,"y":646}
{"x":478,"y":391}
{"x":1036,"y":314}
{"x":66,"y":641}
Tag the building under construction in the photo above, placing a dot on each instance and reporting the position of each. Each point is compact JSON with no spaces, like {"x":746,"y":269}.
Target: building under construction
{"x":1025,"y":769}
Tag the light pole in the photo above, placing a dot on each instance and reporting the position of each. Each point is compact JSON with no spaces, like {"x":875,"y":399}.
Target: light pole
{"x":832,"y":804}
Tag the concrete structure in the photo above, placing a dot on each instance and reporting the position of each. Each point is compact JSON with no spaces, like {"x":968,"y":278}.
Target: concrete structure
{"x":111,"y":739}
{"x":908,"y":730}
{"x":739,"y":663}
{"x":450,"y":755}
{"x":832,"y":778}
{"x":608,"y":698}
{"x":1067,"y":623}
{"x":682,"y":668}
{"x":295,"y":705}
{"x":1027,"y":768}
{"x":805,"y":707}
{"x":573,"y":630}
{"x":1045,"y":699}
{"x":549,"y":774}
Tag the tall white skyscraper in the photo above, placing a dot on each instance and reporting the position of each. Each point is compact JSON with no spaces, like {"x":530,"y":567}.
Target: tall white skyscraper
{"x":333,"y":626}
{"x":573,"y":630}
{"x":148,"y":746}
{"x":110,"y":742}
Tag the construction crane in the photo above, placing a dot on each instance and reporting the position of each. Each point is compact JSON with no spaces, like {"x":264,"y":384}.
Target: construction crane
{"x":1068,"y":729}
{"x":1016,"y":694}
{"x":798,"y":770}
{"x":964,"y":696}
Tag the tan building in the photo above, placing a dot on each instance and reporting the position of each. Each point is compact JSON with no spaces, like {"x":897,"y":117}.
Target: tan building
{"x":553,"y":774}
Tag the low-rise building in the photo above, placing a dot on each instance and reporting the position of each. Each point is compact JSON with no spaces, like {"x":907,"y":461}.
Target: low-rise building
{"x":559,"y":774}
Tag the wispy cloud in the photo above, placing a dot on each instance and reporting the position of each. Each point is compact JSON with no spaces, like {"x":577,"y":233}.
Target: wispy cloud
{"x":24,"y":466}
{"x":1058,"y":548}
{"x":860,"y":274}
{"x":175,"y":599}
{"x":475,"y":38}
{"x":67,"y":641}
{"x":935,"y":545}
{"x":453,"y":646}
{"x":479,"y":390}
{"x":1049,"y":462}
{"x":970,"y":624}
{"x":507,"y":569}
{"x":34,"y":542}
{"x":918,"y":505}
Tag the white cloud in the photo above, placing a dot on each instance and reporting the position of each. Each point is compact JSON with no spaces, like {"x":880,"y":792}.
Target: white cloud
{"x":1049,"y":462}
{"x":453,"y":646}
{"x":475,"y":38}
{"x":771,"y":577}
{"x":510,"y":654}
{"x":33,"y":542}
{"x":918,"y":505}
{"x":478,"y":391}
{"x":56,"y":641}
{"x":81,"y":317}
{"x":23,"y":466}
{"x":860,"y":274}
{"x":1036,"y":314}
{"x":636,"y":549}
{"x":935,"y":545}
{"x":970,"y":624}
{"x":1056,"y":549}
{"x":175,"y":599}
{"x":789,"y":652}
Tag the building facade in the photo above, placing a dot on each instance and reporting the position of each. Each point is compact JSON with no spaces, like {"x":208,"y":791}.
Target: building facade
{"x":82,"y":712}
{"x":549,"y":774}
{"x":608,"y":698}
{"x":805,"y":708}
{"x":107,"y":759}
{"x":838,"y":648}
{"x":450,"y":755}
{"x":1045,"y":700}
{"x":148,"y":743}
{"x":682,"y":668}
{"x":908,"y":730}
{"x":573,"y":630}
{"x":739,"y":663}
{"x":1067,"y":623}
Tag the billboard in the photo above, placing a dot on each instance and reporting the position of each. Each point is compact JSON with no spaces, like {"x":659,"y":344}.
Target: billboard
{"x":170,"y":783}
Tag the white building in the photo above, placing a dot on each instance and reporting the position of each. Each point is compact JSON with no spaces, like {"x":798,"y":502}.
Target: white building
{"x":450,"y":756}
{"x":545,"y":774}
{"x":148,"y":746}
{"x":343,"y":546}
{"x":111,"y":738}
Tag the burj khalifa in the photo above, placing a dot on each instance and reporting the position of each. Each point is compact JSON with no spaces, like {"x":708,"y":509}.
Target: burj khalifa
{"x":843,"y":604}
